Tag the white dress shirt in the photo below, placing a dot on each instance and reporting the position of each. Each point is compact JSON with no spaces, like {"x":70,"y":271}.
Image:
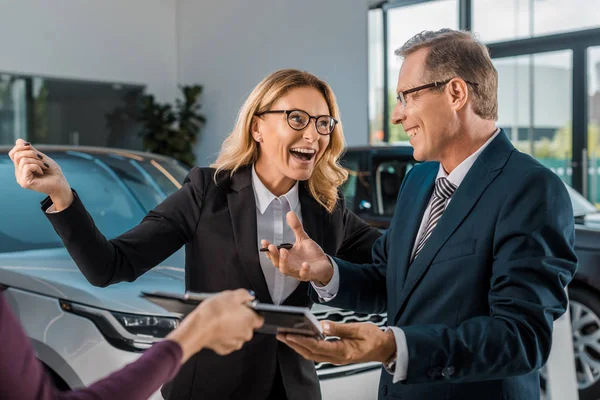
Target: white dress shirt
{"x":272,"y":225}
{"x":328,"y":292}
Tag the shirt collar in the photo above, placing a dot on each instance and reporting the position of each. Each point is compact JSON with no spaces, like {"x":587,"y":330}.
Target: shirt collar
{"x":458,"y":174}
{"x":264,"y":197}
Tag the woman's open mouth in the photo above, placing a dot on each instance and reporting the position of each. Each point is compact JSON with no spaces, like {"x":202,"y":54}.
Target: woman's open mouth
{"x":303,"y":154}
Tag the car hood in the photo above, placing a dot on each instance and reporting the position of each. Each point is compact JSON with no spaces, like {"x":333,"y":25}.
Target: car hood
{"x":592,"y":220}
{"x":52,"y":272}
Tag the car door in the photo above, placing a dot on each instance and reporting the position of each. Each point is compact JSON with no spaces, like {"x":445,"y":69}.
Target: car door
{"x":374,"y":179}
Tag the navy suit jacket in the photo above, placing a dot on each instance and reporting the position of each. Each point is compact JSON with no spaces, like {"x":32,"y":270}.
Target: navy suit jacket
{"x":478,"y":303}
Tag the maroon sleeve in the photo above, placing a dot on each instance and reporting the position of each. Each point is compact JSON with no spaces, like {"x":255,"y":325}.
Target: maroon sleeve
{"x":22,"y":376}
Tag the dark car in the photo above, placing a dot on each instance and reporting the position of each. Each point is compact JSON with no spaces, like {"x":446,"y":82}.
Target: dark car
{"x":375,"y":176}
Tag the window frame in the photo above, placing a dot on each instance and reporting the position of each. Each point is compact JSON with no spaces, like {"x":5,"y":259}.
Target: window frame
{"x":576,"y":41}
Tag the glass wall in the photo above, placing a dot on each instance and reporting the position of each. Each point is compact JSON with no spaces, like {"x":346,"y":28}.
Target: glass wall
{"x":496,"y":21}
{"x":593,"y":126}
{"x":547,"y":53}
{"x":530,"y":109}
{"x":376,"y":70}
{"x":13,"y":121}
{"x":69,"y":112}
{"x":402,"y":24}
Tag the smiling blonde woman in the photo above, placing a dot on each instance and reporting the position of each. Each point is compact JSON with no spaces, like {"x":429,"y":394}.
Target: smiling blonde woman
{"x":282,"y":156}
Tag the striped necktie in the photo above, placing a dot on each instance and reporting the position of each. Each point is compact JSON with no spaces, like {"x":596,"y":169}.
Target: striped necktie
{"x":442,"y":192}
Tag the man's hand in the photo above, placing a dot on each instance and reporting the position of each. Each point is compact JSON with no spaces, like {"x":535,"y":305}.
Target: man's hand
{"x":306,"y":261}
{"x":359,"y":342}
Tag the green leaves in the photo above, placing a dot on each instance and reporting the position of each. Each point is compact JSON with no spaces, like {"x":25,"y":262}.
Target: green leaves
{"x":172,"y":131}
{"x":166,"y":129}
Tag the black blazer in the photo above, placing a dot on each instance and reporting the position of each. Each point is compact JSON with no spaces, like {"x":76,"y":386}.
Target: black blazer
{"x":217,"y":224}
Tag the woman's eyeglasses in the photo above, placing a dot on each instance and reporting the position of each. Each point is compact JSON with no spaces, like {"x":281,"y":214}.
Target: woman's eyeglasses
{"x":298,"y":120}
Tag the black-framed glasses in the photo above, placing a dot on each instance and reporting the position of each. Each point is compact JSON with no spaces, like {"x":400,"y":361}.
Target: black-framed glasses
{"x":298,"y":120}
{"x":402,"y":95}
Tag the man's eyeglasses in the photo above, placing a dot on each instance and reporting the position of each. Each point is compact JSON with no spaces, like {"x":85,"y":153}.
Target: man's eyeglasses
{"x":402,"y":95}
{"x":298,"y":120}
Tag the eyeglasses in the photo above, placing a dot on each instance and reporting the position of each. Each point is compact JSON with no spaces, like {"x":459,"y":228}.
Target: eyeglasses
{"x":298,"y":120}
{"x":402,"y":95}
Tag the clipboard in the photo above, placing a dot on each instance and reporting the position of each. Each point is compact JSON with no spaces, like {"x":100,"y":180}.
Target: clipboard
{"x":278,"y":318}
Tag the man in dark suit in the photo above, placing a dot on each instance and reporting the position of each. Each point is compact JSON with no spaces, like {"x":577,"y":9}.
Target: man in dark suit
{"x":473,"y":269}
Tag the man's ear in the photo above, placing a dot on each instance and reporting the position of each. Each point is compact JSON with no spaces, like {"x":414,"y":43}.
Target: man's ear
{"x":255,"y":129}
{"x":458,"y":91}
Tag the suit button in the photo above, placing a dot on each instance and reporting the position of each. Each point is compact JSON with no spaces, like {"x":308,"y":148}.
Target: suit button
{"x":448,"y":371}
{"x":383,"y":390}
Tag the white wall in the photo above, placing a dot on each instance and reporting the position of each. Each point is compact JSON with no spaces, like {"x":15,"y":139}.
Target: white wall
{"x":129,"y":41}
{"x":229,"y":46}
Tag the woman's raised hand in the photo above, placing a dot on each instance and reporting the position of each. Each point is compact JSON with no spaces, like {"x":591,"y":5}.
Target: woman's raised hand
{"x":36,"y":171}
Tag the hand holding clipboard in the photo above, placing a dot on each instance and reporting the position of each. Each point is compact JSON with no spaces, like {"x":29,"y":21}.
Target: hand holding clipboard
{"x":277,"y":318}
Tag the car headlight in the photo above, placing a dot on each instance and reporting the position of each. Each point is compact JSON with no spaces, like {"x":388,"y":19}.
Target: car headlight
{"x":130,"y":332}
{"x":147,"y":325}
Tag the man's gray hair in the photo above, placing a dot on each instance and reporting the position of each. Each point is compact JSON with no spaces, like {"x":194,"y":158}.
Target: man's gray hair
{"x":458,"y":54}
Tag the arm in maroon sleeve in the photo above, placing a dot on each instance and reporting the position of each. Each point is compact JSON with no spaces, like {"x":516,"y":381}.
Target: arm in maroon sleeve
{"x":23,"y":377}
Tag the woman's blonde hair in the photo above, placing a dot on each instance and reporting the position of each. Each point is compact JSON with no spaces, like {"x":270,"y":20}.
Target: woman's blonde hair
{"x":240,"y":149}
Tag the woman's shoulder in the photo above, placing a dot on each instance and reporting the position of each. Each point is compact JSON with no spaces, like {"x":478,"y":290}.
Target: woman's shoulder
{"x":199,"y":173}
{"x":210,"y":177}
{"x":198,"y":177}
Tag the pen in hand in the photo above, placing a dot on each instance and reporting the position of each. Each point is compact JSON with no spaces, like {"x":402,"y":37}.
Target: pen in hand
{"x":286,"y":246}
{"x":200,"y":297}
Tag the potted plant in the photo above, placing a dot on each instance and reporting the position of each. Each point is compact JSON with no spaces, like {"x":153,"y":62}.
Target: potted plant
{"x":165,"y":129}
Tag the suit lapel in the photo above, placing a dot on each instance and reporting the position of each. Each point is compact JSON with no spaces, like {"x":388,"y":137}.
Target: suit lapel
{"x":242,"y":209}
{"x":485,"y":169}
{"x":413,"y":209}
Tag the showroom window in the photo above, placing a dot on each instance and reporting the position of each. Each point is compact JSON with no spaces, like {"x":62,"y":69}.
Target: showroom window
{"x":376,"y":71}
{"x":529,"y":18}
{"x":593,"y":125}
{"x":547,"y":54}
{"x":64,"y":111}
{"x":396,"y":26}
{"x":529,"y":112}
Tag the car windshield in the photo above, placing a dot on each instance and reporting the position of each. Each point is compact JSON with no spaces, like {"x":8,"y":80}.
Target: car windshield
{"x":117,"y":192}
{"x":581,"y":205}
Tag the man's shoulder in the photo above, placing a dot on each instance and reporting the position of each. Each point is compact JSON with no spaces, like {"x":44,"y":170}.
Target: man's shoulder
{"x":526,"y":180}
{"x":529,"y":169}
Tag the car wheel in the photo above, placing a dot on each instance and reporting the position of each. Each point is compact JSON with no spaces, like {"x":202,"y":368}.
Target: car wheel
{"x":584,"y":306}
